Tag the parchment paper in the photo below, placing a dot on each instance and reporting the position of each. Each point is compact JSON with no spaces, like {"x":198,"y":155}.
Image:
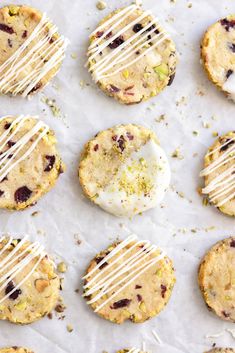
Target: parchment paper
{"x":64,"y":212}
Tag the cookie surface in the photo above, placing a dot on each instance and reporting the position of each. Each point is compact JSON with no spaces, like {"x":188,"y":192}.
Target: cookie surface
{"x":29,"y":161}
{"x":216,"y":279}
{"x":124,"y":170}
{"x":221,"y":350}
{"x":131,"y":280}
{"x":15,"y":349}
{"x":31,"y":50}
{"x":29,"y":284}
{"x":218,"y":54}
{"x":131,"y":350}
{"x":130,"y":56}
{"x":219,"y":174}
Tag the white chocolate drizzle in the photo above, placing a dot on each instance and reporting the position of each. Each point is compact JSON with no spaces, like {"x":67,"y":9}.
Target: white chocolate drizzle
{"x":146,"y":39}
{"x":222,"y":187}
{"x":134,"y":350}
{"x":16,"y":261}
{"x":34,"y":64}
{"x":122,"y":275}
{"x":11,"y":157}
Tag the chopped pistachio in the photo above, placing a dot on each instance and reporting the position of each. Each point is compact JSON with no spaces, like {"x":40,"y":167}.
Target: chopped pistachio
{"x":215,"y":134}
{"x":125,"y":74}
{"x":162,"y":71}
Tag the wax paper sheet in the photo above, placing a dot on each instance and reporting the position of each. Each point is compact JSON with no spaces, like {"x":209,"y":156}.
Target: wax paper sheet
{"x":181,"y":225}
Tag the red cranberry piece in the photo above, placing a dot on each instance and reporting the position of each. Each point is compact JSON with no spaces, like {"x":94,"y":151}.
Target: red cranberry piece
{"x":99,"y":34}
{"x":114,"y":138}
{"x":35,"y":88}
{"x":232,"y":47}
{"x":115,"y":44}
{"x":172,"y":77}
{"x":10,"y":143}
{"x":98,"y":260}
{"x":121,"y":304}
{"x":225,"y":313}
{"x":9,"y":41}
{"x":121,"y":143}
{"x":25,"y":34}
{"x":96,"y":147}
{"x":1,"y":193}
{"x":138,"y":286}
{"x":227,"y":24}
{"x":9,"y":288}
{"x":137,"y":27}
{"x":6,"y":28}
{"x":224,"y":148}
{"x":229,"y":72}
{"x":22,"y":194}
{"x":139,"y":298}
{"x":163,"y":290}
{"x":51,"y":160}
{"x":232,"y":244}
{"x":7,"y":126}
{"x":109,"y":35}
{"x":114,"y":89}
{"x":130,"y":137}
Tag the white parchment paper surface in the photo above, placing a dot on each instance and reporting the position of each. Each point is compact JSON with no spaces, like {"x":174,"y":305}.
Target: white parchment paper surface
{"x":64,"y":212}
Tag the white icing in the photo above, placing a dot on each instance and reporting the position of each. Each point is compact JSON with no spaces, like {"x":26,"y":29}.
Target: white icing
{"x":122,"y":275}
{"x":229,"y":86}
{"x":29,"y":65}
{"x":16,"y":261}
{"x":155,"y":170}
{"x":126,"y":52}
{"x":12,"y":156}
{"x":223,"y":185}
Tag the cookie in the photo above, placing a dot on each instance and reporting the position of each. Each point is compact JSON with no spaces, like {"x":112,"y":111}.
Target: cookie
{"x":221,"y":350}
{"x":130,"y":56}
{"x":15,"y":349}
{"x":29,"y":161}
{"x":216,"y":279}
{"x":29,"y":285}
{"x":219,"y":174}
{"x":218,"y":54}
{"x":31,"y":50}
{"x":131,"y":350}
{"x":124,"y":170}
{"x":131,"y":280}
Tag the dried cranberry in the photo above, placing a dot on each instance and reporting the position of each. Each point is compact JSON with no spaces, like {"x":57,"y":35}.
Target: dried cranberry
{"x":10,"y":143}
{"x":1,"y":193}
{"x":163,"y":290}
{"x":171,"y":79}
{"x":114,"y":138}
{"x":137,"y":27}
{"x":22,"y":194}
{"x":6,"y":28}
{"x":10,"y":287}
{"x":232,"y":47}
{"x":36,"y":87}
{"x":225,"y":313}
{"x":121,"y":143}
{"x":114,"y":89}
{"x":96,"y":147}
{"x":5,"y":178}
{"x":229,"y":73}
{"x":115,"y":44}
{"x":7,"y":126}
{"x":152,"y":27}
{"x":224,"y":148}
{"x":51,"y":160}
{"x":139,"y":297}
{"x":98,"y":260}
{"x":99,"y":34}
{"x":9,"y":41}
{"x":130,"y":137}
{"x":227,"y":24}
{"x":25,"y":33}
{"x":138,"y":286}
{"x":121,"y":304}
{"x":232,"y":244}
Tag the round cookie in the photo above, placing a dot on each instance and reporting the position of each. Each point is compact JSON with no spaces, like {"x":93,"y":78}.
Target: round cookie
{"x":130,"y":56}
{"x":219,"y":174}
{"x":29,"y":285}
{"x":29,"y":161}
{"x":216,"y":279}
{"x":131,"y":280}
{"x":15,"y":349}
{"x":221,"y":350}
{"x":124,"y":170}
{"x":31,"y":50}
{"x":218,"y":54}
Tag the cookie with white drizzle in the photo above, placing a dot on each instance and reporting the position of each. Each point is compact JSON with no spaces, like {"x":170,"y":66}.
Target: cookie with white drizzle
{"x":130,"y":56}
{"x":219,"y":174}
{"x":29,"y":285}
{"x":218,"y":54}
{"x":29,"y":161}
{"x":130,"y":280}
{"x":15,"y":349}
{"x":131,"y":350}
{"x":31,"y":49}
{"x":124,"y":170}
{"x":216,"y":278}
{"x":221,"y":350}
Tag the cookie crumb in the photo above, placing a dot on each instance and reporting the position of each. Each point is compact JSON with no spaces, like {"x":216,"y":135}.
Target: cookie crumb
{"x":101,"y":5}
{"x":36,"y":213}
{"x":69,"y":328}
{"x":62,"y":267}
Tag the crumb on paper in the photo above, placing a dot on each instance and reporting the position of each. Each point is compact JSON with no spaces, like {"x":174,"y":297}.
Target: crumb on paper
{"x":195,"y":133}
{"x":74,"y":56}
{"x":60,"y":308}
{"x":50,"y":316}
{"x":101,"y":5}
{"x":35,"y":213}
{"x":77,"y":239}
{"x":62,"y":267}
{"x":190,"y":5}
{"x":162,"y":117}
{"x":69,"y":328}
{"x":206,"y":125}
{"x":177,"y":154}
{"x":215,"y":134}
{"x":51,"y":103}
